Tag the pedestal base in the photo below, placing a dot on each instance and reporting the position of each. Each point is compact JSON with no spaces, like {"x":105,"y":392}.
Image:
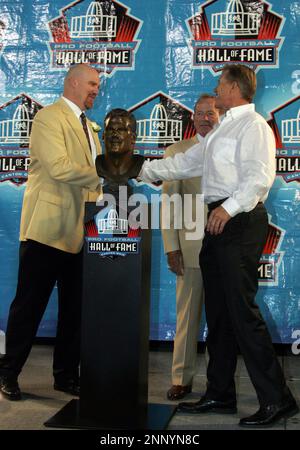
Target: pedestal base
{"x":68,"y":417}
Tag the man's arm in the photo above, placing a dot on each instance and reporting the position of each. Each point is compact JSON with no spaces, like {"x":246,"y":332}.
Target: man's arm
{"x":181,"y":166}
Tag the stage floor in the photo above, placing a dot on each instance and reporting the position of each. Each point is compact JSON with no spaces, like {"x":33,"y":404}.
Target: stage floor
{"x":40,"y":401}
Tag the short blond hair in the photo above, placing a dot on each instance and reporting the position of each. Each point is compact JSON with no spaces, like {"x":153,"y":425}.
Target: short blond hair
{"x":244,"y":77}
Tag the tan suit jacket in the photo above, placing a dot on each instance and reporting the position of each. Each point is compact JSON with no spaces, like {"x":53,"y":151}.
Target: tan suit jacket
{"x":61,"y":177}
{"x":175,"y":239}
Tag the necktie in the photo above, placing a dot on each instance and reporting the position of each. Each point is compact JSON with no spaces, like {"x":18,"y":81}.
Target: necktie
{"x":85,"y":128}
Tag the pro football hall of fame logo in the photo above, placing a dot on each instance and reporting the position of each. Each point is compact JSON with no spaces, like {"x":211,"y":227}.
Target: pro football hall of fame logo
{"x":109,"y":234}
{"x":101,"y":33}
{"x":161,"y":121}
{"x":271,"y":257}
{"x":235,"y":31}
{"x":285,"y":124}
{"x":16,"y":118}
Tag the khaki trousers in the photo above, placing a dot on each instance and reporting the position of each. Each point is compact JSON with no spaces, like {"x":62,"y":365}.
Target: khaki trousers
{"x":189,"y":300}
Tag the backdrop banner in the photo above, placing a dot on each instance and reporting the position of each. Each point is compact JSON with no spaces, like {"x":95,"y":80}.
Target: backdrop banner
{"x":155,"y":58}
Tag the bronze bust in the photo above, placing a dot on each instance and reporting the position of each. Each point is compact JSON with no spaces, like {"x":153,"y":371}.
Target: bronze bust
{"x":119,"y":164}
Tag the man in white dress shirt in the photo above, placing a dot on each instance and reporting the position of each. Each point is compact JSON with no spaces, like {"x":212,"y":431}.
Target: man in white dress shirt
{"x":183,"y":258}
{"x":62,"y":176}
{"x":238,"y":170}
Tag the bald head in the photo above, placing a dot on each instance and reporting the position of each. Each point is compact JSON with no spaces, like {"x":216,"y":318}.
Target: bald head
{"x":81,"y":85}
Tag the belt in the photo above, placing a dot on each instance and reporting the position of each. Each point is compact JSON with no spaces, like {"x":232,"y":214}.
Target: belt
{"x":214,"y":205}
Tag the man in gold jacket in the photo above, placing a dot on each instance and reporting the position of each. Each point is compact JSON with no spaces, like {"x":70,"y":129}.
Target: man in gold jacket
{"x":62,"y":176}
{"x":183,"y":260}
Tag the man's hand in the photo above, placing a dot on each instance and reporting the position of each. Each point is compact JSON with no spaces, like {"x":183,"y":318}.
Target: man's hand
{"x":217,"y":220}
{"x":175,"y":262}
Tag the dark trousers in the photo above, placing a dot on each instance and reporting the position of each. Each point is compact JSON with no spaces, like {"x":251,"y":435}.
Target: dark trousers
{"x":40,"y":267}
{"x":229,"y":264}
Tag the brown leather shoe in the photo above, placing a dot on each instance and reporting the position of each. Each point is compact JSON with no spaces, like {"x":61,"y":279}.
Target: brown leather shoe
{"x":176,"y":392}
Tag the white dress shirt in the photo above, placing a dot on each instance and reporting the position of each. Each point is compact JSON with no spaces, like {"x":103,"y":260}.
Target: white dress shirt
{"x":237,"y":161}
{"x":77,"y":111}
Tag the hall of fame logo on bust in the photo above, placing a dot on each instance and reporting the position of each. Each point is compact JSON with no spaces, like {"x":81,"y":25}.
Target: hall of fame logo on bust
{"x":285,"y":123}
{"x":101,"y":33}
{"x":16,"y":117}
{"x":109,"y":235}
{"x":238,"y":31}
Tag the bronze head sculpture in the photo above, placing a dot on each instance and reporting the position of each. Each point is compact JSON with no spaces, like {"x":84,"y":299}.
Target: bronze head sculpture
{"x":119,"y":164}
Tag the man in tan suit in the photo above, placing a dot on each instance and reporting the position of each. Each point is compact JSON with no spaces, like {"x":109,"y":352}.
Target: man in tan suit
{"x":183,"y":260}
{"x":61,"y":177}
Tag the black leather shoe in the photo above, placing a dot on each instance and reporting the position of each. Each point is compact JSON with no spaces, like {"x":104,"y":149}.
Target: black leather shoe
{"x":70,"y":386}
{"x":206,"y":405}
{"x":267,"y":416}
{"x":9,"y":388}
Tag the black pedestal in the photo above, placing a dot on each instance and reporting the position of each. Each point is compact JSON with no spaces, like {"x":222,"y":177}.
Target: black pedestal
{"x":158,"y":417}
{"x":115,"y":339}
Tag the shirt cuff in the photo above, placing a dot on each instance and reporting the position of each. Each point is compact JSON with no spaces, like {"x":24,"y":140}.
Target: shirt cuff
{"x":232,"y":207}
{"x":144,"y":175}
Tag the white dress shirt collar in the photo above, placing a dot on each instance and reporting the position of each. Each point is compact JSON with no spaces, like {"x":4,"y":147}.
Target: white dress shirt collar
{"x":77,"y":111}
{"x":199,"y":137}
{"x":238,"y":111}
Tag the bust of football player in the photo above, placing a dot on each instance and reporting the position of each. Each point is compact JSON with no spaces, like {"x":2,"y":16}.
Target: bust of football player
{"x":119,"y":164}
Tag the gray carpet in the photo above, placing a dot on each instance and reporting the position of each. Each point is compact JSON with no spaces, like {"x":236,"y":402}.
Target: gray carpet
{"x":40,"y":401}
